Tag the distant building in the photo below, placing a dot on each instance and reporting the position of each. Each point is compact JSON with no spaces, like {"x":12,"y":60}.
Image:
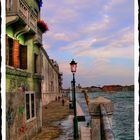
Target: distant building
{"x":118,"y":88}
{"x":66,"y":91}
{"x":78,"y":89}
{"x":95,"y":89}
{"x":128,"y":88}
{"x":112,"y":88}
{"x":60,"y":80}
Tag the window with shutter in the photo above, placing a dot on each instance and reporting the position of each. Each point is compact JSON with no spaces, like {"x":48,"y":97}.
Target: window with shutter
{"x":16,"y":53}
{"x":35,"y":63}
{"x":7,"y":50}
{"x":10,"y":51}
{"x":23,"y":56}
{"x":32,"y":105}
{"x":27,"y":107}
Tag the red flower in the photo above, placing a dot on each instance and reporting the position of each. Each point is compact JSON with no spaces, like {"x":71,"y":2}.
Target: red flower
{"x":42,"y":25}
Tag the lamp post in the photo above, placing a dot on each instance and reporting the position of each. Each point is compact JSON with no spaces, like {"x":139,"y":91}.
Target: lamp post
{"x":73,"y":66}
{"x":72,"y":92}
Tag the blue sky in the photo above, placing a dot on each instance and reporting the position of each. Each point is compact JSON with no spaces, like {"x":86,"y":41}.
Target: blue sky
{"x":98,"y":34}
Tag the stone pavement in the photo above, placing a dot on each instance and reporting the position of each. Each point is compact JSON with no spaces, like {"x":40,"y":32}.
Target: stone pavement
{"x":52,"y":115}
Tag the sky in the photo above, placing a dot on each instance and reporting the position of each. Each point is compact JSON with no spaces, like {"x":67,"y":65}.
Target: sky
{"x":97,"y":34}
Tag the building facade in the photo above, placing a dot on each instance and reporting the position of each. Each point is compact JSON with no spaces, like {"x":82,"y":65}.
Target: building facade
{"x":23,"y":68}
{"x":52,"y":81}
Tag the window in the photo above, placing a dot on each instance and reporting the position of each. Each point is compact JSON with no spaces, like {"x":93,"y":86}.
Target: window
{"x":23,"y":56}
{"x":30,"y":105}
{"x":16,"y":54}
{"x":10,"y":51}
{"x":35,"y":62}
{"x":27,"y":107}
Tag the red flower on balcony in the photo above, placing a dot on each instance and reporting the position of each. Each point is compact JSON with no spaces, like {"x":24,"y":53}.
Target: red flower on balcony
{"x":42,"y":26}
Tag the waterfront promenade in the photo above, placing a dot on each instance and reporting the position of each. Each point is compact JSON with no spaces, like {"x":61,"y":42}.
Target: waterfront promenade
{"x":52,"y":114}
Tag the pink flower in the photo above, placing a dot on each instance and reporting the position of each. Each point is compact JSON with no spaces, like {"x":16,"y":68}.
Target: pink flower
{"x":42,"y":26}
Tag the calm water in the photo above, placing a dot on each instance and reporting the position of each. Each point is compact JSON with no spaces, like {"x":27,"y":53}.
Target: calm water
{"x":123,"y":115}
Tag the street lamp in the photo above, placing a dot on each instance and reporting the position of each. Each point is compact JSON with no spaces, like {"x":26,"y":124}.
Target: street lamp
{"x":72,"y":92}
{"x":73,"y":66}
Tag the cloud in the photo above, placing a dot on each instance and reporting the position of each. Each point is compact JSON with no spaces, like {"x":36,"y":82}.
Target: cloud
{"x":113,"y":3}
{"x":82,"y":44}
{"x":98,"y":68}
{"x":98,"y":27}
{"x":64,"y":16}
{"x":61,"y":36}
{"x":86,"y":4}
{"x":107,"y":52}
{"x":105,"y":68}
{"x":117,"y":45}
{"x":59,"y":15}
{"x":65,"y":67}
{"x":46,"y":46}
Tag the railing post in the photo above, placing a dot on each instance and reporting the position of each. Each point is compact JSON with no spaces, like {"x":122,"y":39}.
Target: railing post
{"x":94,"y":110}
{"x":106,"y":125}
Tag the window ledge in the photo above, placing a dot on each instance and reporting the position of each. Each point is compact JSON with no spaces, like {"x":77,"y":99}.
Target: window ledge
{"x":16,"y":71}
{"x":30,"y":120}
{"x":38,"y":76}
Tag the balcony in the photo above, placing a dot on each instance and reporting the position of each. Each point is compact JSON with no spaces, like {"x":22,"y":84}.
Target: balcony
{"x":22,"y":9}
{"x":38,"y":37}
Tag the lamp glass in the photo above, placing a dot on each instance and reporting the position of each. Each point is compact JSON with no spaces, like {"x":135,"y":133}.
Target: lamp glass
{"x":73,"y":66}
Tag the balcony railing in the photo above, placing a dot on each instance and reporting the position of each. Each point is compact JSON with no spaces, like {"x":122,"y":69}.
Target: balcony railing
{"x":33,"y":21}
{"x":39,"y":35}
{"x":22,"y":9}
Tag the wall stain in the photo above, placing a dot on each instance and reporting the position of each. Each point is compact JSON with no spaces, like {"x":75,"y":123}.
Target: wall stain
{"x":10,"y":116}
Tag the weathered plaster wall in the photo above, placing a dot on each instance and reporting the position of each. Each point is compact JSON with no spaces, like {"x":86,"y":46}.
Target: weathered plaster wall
{"x":50,"y":87}
{"x":17,"y":128}
{"x":30,"y":55}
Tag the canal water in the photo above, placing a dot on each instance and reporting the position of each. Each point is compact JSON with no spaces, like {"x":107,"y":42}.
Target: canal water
{"x":122,"y":120}
{"x":123,"y":115}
